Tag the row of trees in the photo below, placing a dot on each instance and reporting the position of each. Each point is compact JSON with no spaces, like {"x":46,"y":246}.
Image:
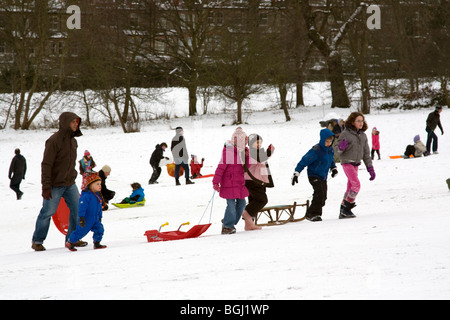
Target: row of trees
{"x":234,"y":47}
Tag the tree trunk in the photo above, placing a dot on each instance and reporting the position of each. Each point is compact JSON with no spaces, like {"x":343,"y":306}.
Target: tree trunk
{"x":299,"y":97}
{"x":192,"y":100}
{"x":336,"y":77}
{"x":283,"y":94}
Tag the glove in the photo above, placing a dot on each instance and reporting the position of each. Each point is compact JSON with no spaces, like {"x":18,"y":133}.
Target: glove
{"x":167,"y":158}
{"x":371,"y":171}
{"x":334,"y":172}
{"x":343,"y":145}
{"x":47,"y":194}
{"x":271,"y":148}
{"x":294,"y":178}
{"x":82,"y":222}
{"x":216,"y":187}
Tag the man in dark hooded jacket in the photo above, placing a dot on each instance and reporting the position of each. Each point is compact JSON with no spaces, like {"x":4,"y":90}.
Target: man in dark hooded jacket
{"x":58,"y":178}
{"x":17,"y":171}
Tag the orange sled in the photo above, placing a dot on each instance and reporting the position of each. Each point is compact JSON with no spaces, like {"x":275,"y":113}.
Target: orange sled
{"x":194,"y":232}
{"x":61,"y":217}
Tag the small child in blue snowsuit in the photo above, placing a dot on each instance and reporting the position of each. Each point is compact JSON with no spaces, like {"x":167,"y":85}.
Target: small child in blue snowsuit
{"x":319,"y":160}
{"x":90,"y":214}
{"x":136,"y":196}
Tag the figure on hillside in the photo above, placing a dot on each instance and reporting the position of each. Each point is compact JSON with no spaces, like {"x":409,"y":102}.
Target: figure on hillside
{"x":433,"y":121}
{"x":319,"y":160}
{"x":375,"y":143}
{"x":257,"y":179}
{"x":89,"y":213}
{"x":107,"y":194}
{"x":87,"y":163}
{"x":229,"y":179}
{"x":155,"y":160}
{"x":196,"y":166}
{"x":180,"y":155}
{"x":136,"y":196}
{"x":58,"y":178}
{"x":352,"y":147}
{"x":17,"y":171}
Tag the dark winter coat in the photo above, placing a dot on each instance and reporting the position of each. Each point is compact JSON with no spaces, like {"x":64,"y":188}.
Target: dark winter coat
{"x":434,"y":120}
{"x":107,"y":194}
{"x":157,"y":156}
{"x":320,"y":159}
{"x":60,"y":154}
{"x":18,"y":166}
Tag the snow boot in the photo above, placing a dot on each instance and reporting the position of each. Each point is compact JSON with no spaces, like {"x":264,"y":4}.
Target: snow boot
{"x":314,"y":219}
{"x":346,"y":210}
{"x":97,"y":245}
{"x":80,"y":244}
{"x":189,"y":181}
{"x":37,"y":247}
{"x":226,"y":230}
{"x":177,"y":182}
{"x":71,"y":246}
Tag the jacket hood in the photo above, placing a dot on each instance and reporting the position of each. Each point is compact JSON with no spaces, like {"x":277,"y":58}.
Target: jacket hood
{"x":64,"y":123}
{"x":324,"y":135}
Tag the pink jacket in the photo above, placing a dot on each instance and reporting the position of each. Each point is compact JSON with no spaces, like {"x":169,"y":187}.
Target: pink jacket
{"x":230,"y":174}
{"x":375,"y":141}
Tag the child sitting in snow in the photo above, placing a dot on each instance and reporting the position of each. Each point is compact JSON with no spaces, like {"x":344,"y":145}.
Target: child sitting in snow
{"x":196,"y":166}
{"x":89,"y":213}
{"x":416,"y":150}
{"x":319,"y":160}
{"x":136,"y":196}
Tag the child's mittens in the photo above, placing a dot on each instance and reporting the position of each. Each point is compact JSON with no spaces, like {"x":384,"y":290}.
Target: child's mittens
{"x":334,"y":172}
{"x":294,"y":178}
{"x":372,"y":173}
{"x":82,"y":222}
{"x":343,"y":145}
{"x":216,"y":187}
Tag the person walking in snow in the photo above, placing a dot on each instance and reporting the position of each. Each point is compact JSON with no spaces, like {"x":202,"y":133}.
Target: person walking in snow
{"x":257,"y":179}
{"x":155,"y":159}
{"x":433,"y":121}
{"x":17,"y":171}
{"x":229,"y":179}
{"x":58,"y":178}
{"x":352,"y":147}
{"x":107,"y":194}
{"x":180,"y":155}
{"x":319,"y":160}
{"x":90,"y":214}
{"x":375,"y":143}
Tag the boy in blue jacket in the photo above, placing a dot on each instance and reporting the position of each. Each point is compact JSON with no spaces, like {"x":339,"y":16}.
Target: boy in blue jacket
{"x":319,"y":160}
{"x":136,"y":196}
{"x":90,"y":214}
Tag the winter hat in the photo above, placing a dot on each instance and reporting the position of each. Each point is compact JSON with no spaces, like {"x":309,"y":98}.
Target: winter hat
{"x":179,"y":130}
{"x":86,"y":153}
{"x":416,"y":138}
{"x":438,"y":108}
{"x":253,"y":138}
{"x":92,"y":178}
{"x":239,"y":139}
{"x":106,"y":168}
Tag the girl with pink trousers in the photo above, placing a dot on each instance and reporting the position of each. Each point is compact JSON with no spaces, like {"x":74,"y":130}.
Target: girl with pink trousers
{"x":230,"y":183}
{"x":352,"y":147}
{"x":375,"y":143}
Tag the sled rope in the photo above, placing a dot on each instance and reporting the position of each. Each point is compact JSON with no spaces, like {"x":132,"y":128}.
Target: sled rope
{"x":211,"y":202}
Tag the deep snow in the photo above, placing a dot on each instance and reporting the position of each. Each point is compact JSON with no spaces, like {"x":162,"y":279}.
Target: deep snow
{"x":397,"y":247}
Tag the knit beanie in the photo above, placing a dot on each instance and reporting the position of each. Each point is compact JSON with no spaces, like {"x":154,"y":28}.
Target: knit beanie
{"x":92,"y":178}
{"x":106,"y":168}
{"x":416,"y":138}
{"x":239,"y":139}
{"x":86,"y":153}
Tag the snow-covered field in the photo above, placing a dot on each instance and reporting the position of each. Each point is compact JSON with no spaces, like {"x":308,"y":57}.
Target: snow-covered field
{"x":397,"y":248}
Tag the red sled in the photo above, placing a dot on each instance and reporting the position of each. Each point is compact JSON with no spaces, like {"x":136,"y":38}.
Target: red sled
{"x":195,"y":232}
{"x":61,"y":217}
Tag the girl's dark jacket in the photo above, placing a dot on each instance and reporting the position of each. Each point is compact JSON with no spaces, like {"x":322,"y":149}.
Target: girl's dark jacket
{"x":60,"y":154}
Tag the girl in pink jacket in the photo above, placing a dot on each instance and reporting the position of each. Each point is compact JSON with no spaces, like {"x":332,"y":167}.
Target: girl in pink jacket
{"x":375,"y":143}
{"x":229,"y":179}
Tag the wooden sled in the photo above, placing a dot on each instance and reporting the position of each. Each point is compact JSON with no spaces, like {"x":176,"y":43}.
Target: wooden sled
{"x":195,"y":232}
{"x":129,"y":205}
{"x":280,"y":214}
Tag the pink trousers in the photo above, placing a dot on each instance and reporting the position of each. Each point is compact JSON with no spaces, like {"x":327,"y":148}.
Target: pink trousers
{"x":353,"y":184}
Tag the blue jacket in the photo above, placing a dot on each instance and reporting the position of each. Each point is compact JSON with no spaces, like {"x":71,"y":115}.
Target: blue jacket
{"x":139,"y":192}
{"x":90,"y":207}
{"x":320,"y":159}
